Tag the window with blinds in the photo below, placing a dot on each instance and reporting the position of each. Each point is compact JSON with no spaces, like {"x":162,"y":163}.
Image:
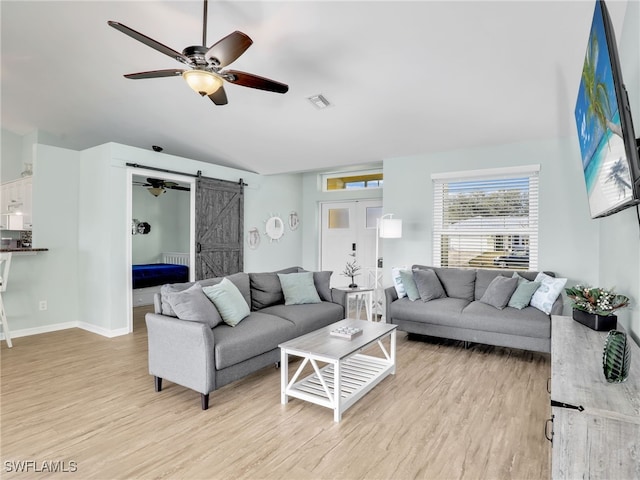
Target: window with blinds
{"x":486,"y":219}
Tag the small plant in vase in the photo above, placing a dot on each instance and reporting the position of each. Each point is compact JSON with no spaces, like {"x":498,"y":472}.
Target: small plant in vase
{"x":351,"y":270}
{"x":595,"y":307}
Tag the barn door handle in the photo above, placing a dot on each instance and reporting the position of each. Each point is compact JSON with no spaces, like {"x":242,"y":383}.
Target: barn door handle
{"x":548,"y":433}
{"x":198,"y":247}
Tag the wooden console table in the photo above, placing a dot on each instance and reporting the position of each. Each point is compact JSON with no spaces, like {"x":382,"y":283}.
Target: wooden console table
{"x":595,"y":424}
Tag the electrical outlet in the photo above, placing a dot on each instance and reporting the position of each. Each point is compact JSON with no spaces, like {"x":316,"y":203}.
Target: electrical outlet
{"x":43,"y":305}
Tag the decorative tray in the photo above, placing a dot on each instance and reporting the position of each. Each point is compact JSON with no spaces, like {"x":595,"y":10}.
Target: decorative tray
{"x":346,"y":332}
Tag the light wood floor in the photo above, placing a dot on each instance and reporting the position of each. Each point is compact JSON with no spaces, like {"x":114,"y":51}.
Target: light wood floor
{"x":448,"y":413}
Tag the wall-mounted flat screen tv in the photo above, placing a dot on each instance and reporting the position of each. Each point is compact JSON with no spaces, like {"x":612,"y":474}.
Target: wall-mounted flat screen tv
{"x":610,"y":159}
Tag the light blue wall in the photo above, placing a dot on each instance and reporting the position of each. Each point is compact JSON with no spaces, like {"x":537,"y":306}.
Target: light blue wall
{"x":620,"y":233}
{"x":273,"y":195}
{"x":168,"y":215}
{"x":567,"y":236}
{"x":52,"y":275}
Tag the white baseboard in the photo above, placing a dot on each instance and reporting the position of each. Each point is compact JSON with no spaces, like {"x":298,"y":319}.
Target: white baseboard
{"x":103,"y":331}
{"x":26,"y":332}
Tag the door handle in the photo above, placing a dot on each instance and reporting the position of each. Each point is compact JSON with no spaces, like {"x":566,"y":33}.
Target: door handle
{"x":198,"y":247}
{"x":549,"y":434}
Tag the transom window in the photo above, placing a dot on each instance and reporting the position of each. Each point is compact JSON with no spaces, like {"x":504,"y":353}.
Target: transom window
{"x":486,"y":219}
{"x":352,"y":180}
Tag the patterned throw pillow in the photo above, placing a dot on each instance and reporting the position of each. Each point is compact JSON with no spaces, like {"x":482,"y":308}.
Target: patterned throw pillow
{"x":548,"y":292}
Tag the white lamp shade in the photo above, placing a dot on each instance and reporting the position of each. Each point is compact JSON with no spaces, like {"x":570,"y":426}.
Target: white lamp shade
{"x":390,"y":228}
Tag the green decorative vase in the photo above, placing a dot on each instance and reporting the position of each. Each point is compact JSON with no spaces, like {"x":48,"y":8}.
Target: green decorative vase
{"x":616,"y":359}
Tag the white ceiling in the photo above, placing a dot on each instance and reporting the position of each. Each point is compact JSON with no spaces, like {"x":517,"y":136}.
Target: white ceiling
{"x":403,"y":77}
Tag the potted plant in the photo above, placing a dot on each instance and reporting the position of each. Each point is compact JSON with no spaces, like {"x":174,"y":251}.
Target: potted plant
{"x":351,"y":270}
{"x":595,"y":307}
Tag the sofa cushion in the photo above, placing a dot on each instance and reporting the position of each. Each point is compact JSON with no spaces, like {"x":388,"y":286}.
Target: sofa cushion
{"x":499,"y":291}
{"x":229,"y":301}
{"x":548,"y":292}
{"x":322,"y":280}
{"x":528,"y":322}
{"x":298,"y":288}
{"x":256,"y":334}
{"x":240,"y":280}
{"x":524,"y":291}
{"x":265,"y":290}
{"x":457,"y":282}
{"x":397,"y":281}
{"x":310,"y":317}
{"x":441,"y":311}
{"x":428,"y":285}
{"x":485,"y":277}
{"x":193,"y":305}
{"x":409,"y":284}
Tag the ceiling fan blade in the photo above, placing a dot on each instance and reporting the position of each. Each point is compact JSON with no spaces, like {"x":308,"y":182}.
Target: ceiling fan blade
{"x":154,"y":74}
{"x":229,"y":48}
{"x":178,"y":187}
{"x":150,"y":42}
{"x":219,"y":97}
{"x":255,"y":81}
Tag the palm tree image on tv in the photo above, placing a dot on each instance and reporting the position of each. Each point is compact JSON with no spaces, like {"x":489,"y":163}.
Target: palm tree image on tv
{"x":604,"y":158}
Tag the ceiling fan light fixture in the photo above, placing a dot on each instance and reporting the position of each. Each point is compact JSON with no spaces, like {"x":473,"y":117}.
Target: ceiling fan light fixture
{"x":202,"y":82}
{"x":156,"y":191}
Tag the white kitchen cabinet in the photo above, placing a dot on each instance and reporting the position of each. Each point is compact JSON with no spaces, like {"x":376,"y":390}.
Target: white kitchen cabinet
{"x":16,"y":201}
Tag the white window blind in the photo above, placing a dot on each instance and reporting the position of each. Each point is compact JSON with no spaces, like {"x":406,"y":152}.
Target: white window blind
{"x":486,"y":219}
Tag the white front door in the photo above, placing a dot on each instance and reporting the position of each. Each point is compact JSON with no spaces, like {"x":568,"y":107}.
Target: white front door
{"x":348,"y":233}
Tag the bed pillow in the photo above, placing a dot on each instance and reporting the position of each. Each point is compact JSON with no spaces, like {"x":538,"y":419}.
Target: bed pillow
{"x":429,"y":286}
{"x":548,"y":292}
{"x":409,"y":285}
{"x":499,"y":291}
{"x":229,"y":301}
{"x":193,"y":305}
{"x":299,"y":288}
{"x":524,"y":291}
{"x":397,"y":281}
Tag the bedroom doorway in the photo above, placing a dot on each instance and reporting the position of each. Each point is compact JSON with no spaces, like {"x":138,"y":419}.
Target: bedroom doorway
{"x":160,"y":245}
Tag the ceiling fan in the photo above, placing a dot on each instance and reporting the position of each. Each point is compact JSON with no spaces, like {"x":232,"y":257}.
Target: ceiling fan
{"x":205,"y":64}
{"x":157,"y":186}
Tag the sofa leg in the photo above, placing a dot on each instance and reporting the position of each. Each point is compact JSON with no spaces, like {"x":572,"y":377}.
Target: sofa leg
{"x":277,"y":365}
{"x":204,"y":401}
{"x":158,"y":383}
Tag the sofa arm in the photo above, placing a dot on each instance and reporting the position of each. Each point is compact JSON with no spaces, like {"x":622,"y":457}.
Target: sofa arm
{"x":181,"y":352}
{"x":390,"y":295}
{"x":558,"y":306}
{"x":339,"y":296}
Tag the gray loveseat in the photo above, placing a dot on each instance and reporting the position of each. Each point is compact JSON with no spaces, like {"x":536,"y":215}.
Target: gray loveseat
{"x":204,"y":358}
{"x":461,"y":316}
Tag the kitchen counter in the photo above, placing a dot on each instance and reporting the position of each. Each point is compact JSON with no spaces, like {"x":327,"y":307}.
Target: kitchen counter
{"x":22,"y":250}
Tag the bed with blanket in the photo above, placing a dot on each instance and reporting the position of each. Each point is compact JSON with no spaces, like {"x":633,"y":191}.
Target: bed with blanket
{"x":153,"y":274}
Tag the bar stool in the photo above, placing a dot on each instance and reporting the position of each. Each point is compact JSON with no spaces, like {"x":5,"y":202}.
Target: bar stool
{"x":5,"y":264}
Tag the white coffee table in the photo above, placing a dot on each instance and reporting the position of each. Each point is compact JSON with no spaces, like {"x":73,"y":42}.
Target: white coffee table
{"x":346,"y":370}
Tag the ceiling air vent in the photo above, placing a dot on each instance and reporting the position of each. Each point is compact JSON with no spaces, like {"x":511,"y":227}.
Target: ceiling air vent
{"x":319,"y":101}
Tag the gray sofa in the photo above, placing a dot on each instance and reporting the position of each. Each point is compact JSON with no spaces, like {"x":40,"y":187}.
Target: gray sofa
{"x":202,"y":358}
{"x":461,"y":316}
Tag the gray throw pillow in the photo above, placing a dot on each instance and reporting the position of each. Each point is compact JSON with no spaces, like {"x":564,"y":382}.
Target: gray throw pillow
{"x":298,"y":288}
{"x":409,"y":285}
{"x":429,"y":286}
{"x":265,"y":290}
{"x":499,"y":291}
{"x":193,"y":305}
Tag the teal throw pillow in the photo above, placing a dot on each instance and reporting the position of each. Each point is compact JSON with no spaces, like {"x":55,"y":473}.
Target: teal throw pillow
{"x":229,"y":301}
{"x":299,"y":288}
{"x":524,"y":291}
{"x":409,"y":285}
